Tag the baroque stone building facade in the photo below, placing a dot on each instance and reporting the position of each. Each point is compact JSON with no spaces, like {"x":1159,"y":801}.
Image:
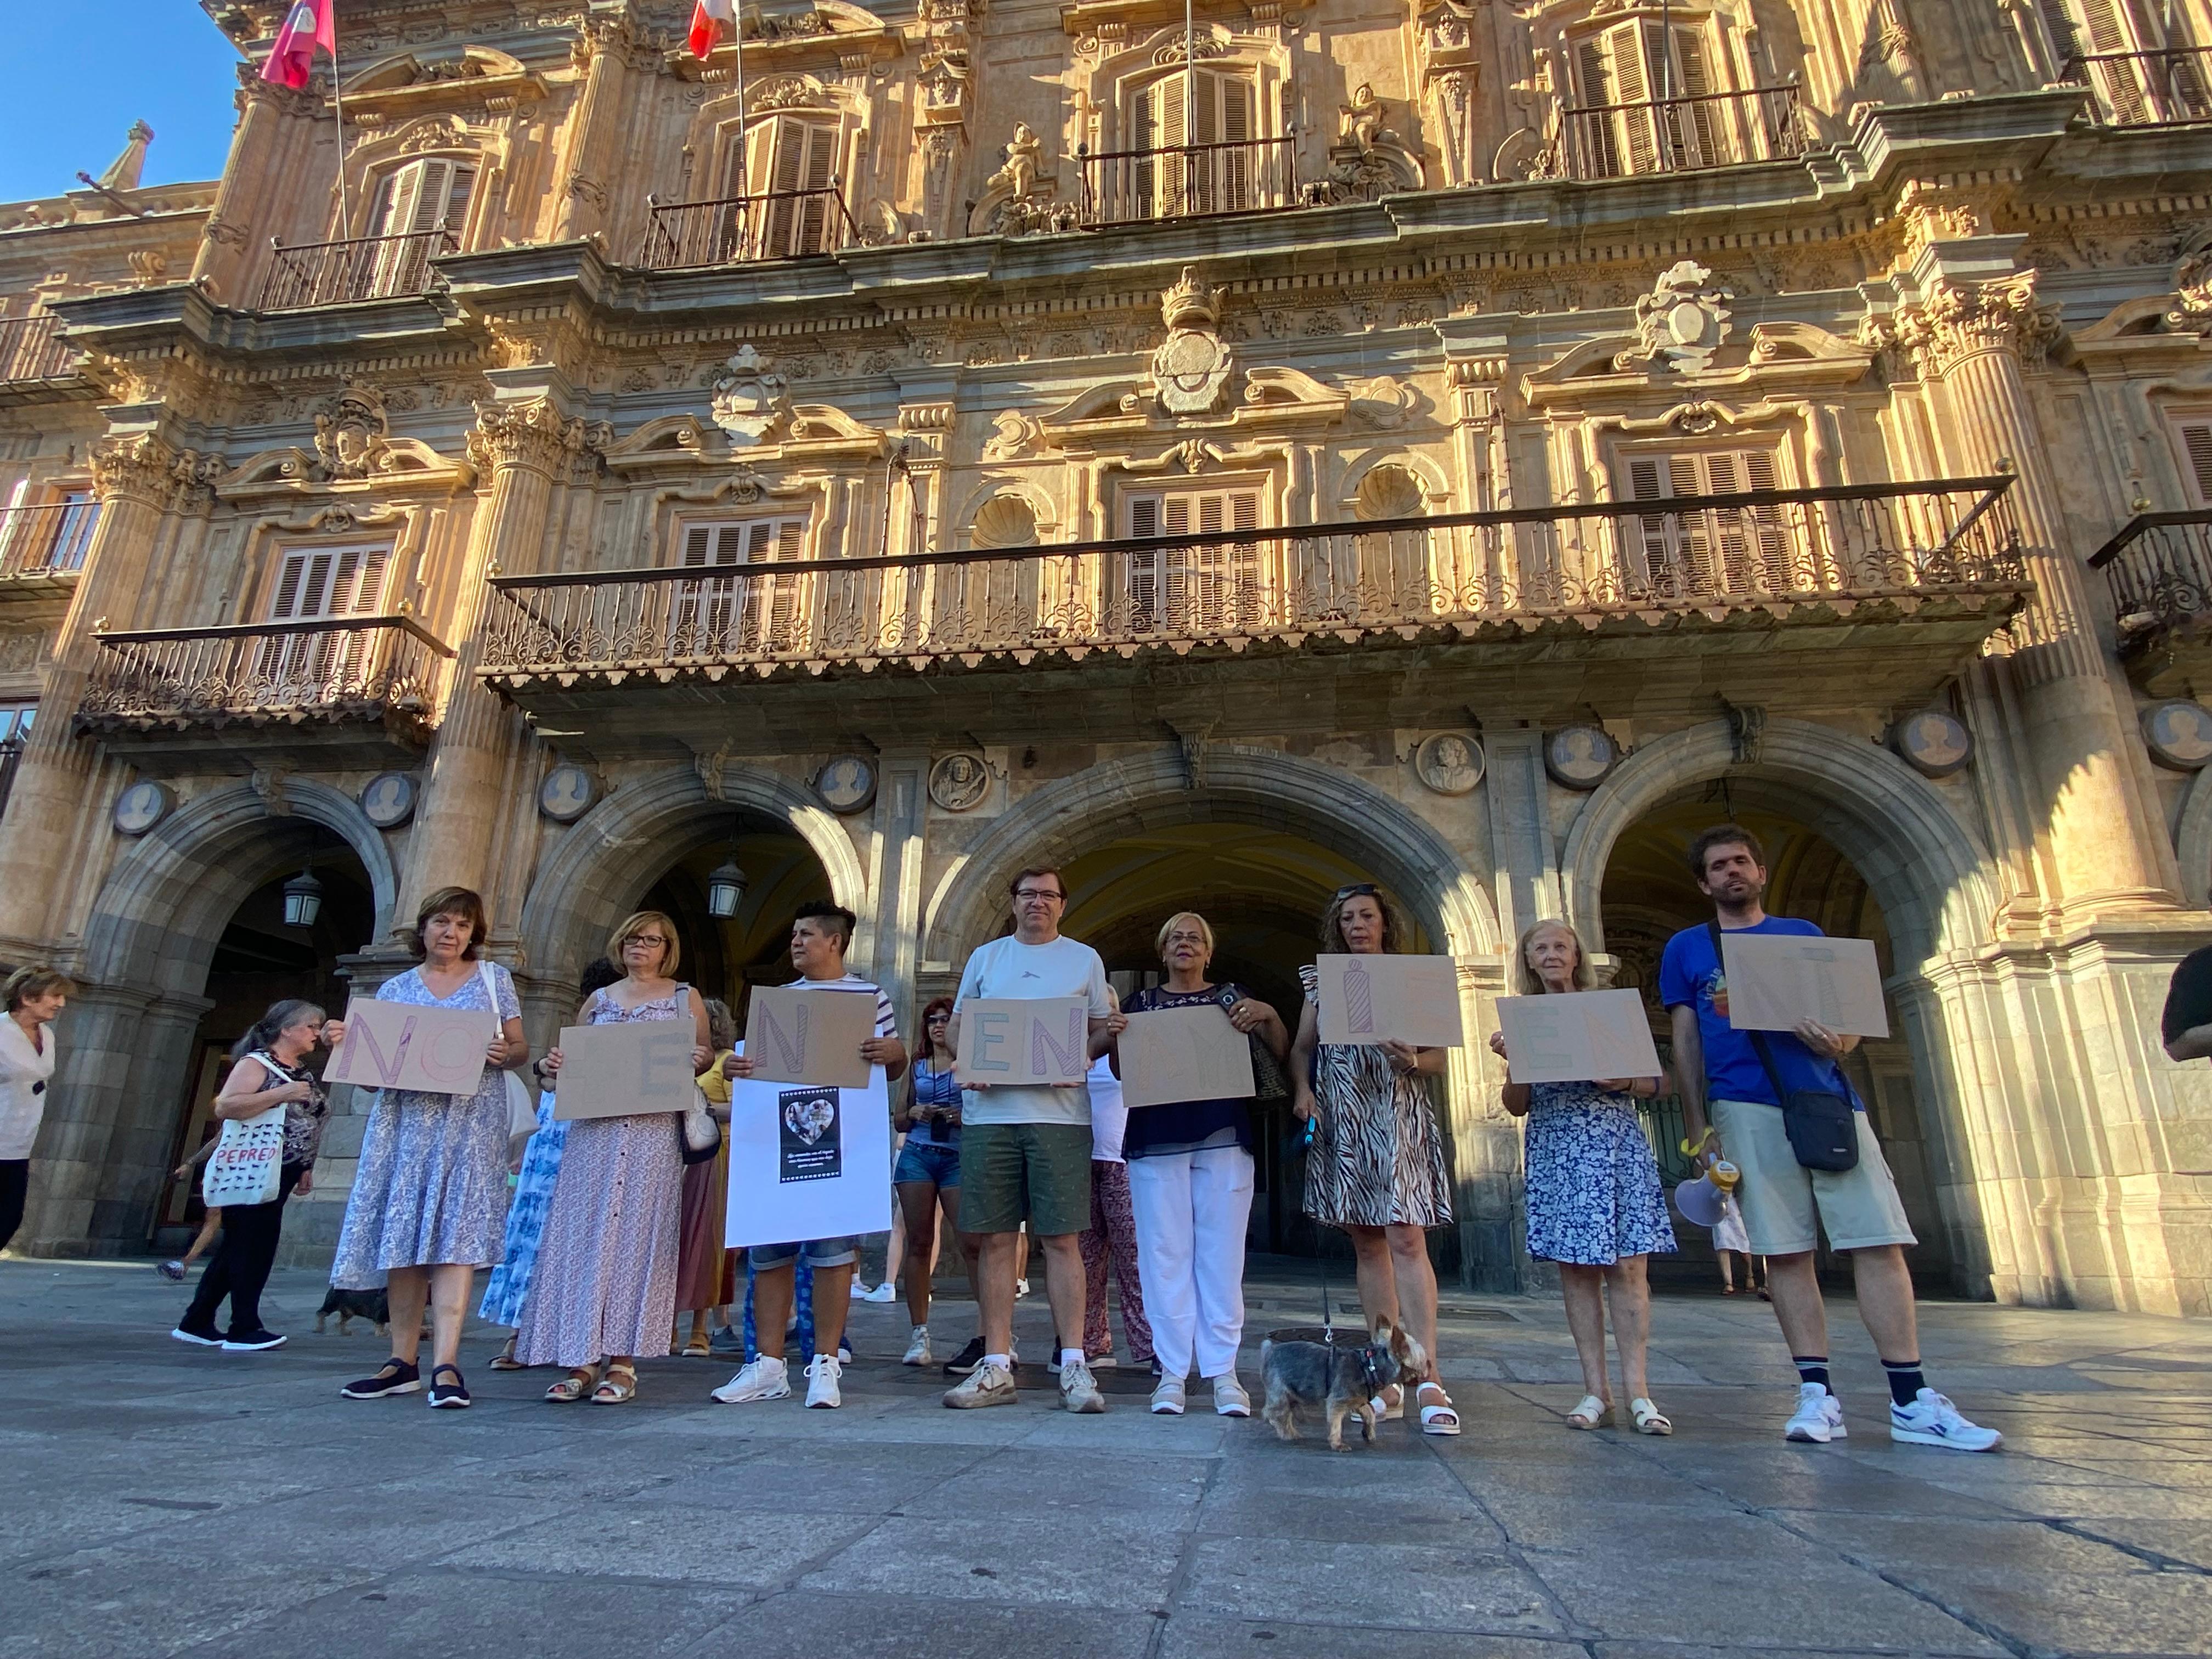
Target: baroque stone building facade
{"x":1231,"y":449}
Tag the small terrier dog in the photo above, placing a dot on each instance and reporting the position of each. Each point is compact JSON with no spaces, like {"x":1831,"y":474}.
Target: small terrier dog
{"x":1342,"y":1378}
{"x":375,"y":1306}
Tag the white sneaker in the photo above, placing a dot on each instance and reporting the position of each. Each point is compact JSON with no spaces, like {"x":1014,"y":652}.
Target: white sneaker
{"x":986,"y":1385}
{"x":1021,"y":1288}
{"x":764,"y":1379}
{"x":1818,"y":1417}
{"x":886,"y":1291}
{"x":917,"y":1350}
{"x":1933,"y":1420}
{"x":822,"y":1393}
{"x":1078,"y":1389}
{"x":1230,"y":1399}
{"x":1167,"y":1397}
{"x":860,"y":1292}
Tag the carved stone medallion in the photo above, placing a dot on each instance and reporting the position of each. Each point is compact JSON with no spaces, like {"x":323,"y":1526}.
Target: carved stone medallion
{"x":1448,"y":763}
{"x":1933,"y":742}
{"x":1192,"y":366}
{"x":958,"y":782}
{"x":566,"y":793}
{"x":388,"y":799}
{"x":142,"y":806}
{"x":847,"y":784}
{"x":2179,"y":734}
{"x":1580,"y":757}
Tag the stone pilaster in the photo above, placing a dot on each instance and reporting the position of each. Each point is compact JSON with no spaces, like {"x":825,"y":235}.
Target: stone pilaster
{"x":274,"y":138}
{"x":605,"y":46}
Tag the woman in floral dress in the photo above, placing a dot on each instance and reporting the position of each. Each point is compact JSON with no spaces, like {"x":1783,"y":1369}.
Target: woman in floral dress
{"x":1594,"y":1203}
{"x":604,"y":1287}
{"x":429,"y":1196}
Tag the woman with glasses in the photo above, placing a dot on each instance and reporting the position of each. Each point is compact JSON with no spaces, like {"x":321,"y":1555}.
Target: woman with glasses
{"x":927,"y":1177}
{"x":1374,"y":1163}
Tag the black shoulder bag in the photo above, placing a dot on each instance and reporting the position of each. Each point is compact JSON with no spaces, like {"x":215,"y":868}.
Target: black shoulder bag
{"x":1268,"y":1080}
{"x":1821,"y":1124}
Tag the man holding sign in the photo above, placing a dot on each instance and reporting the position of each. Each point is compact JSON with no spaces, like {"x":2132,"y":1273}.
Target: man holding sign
{"x":1748,"y":1075}
{"x":809,"y":1141}
{"x":1025,"y":1148}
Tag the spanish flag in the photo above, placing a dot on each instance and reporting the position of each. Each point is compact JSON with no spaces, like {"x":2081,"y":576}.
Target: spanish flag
{"x":309,"y":24}
{"x":709,"y":18}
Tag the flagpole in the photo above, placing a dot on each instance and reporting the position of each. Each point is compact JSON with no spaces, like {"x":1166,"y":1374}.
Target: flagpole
{"x":345,"y":213}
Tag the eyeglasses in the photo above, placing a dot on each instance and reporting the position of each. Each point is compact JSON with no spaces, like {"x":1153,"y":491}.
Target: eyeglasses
{"x":1358,"y":889}
{"x":645,"y":938}
{"x":1040,"y":893}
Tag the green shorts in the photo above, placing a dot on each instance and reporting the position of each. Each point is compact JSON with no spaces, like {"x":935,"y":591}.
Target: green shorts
{"x":1011,"y":1173}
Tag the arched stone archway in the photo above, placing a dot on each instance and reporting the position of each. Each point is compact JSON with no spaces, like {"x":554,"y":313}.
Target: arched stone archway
{"x":1059,"y":820}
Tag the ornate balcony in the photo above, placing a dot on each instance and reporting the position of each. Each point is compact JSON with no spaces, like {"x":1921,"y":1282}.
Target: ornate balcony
{"x":2159,"y":571}
{"x":1934,"y":562}
{"x":781,"y":224}
{"x":312,"y":274}
{"x":1675,"y":134}
{"x":2163,"y":89}
{"x":31,"y":351}
{"x":351,"y":690}
{"x":46,"y":543}
{"x":1131,"y":187}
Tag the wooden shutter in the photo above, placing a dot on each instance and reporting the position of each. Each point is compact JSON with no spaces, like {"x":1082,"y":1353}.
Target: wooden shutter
{"x":1596,"y":134}
{"x":802,"y":156}
{"x":745,"y":611}
{"x":1711,"y":550}
{"x":1209,"y":588}
{"x":2196,"y":454}
{"x":1691,"y":128}
{"x":2108,"y":32}
{"x":1624,"y":47}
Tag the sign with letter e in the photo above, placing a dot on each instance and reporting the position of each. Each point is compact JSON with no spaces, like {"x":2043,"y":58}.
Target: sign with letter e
{"x":621,"y":1069}
{"x":1009,"y":1042}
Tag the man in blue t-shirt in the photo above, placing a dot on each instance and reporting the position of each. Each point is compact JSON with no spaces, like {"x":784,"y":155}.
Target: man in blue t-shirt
{"x":1784,"y":1203}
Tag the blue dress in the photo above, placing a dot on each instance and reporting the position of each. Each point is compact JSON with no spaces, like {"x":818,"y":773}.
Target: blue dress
{"x":525,"y":1218}
{"x":1594,"y":1192}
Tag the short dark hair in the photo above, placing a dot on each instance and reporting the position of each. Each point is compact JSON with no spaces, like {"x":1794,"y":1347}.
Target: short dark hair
{"x":842,"y":921}
{"x":28,"y":983}
{"x":1058,"y":880}
{"x":1724,"y":835}
{"x":463,"y":902}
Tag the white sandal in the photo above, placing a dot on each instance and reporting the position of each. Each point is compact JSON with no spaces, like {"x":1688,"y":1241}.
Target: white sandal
{"x":1592,"y":1414}
{"x":1388,"y":1411}
{"x":1648,"y":1417}
{"x":1437,"y":1419}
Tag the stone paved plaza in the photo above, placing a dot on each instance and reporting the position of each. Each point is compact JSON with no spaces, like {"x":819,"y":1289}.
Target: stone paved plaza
{"x":167,"y":1500}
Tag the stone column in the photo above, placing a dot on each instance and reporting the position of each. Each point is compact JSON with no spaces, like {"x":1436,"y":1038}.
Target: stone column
{"x":274,"y":140}
{"x":1971,"y":321}
{"x":604,"y":44}
{"x":526,"y":447}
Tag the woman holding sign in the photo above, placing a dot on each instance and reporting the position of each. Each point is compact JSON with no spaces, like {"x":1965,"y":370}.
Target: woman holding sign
{"x":1594,"y":1203}
{"x":1190,"y":1184}
{"x":1375,"y":1166}
{"x":271,"y":1071}
{"x":34,"y":996}
{"x":428,"y":1205}
{"x":604,"y":1285}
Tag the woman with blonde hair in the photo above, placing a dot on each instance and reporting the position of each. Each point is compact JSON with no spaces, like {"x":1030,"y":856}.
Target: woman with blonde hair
{"x":34,"y":997}
{"x":1190,"y":1184}
{"x":604,"y":1285}
{"x":1374,"y":1167}
{"x":1594,"y":1203}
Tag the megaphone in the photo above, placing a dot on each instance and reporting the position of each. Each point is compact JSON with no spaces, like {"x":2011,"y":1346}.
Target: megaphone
{"x":1699,"y":1202}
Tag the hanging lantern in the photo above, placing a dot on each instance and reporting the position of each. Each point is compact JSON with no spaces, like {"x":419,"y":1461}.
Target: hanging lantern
{"x":726,"y":890}
{"x":303,"y":900}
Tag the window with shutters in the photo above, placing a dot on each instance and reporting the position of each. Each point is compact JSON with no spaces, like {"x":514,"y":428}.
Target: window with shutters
{"x":2192,"y":440}
{"x":752,"y":610}
{"x":317,"y":584}
{"x":1196,"y":130}
{"x":1743,"y":549}
{"x":47,"y":527}
{"x":782,"y":179}
{"x":410,"y":206}
{"x":2145,"y":75}
{"x":1209,"y":588}
{"x":1644,"y":90}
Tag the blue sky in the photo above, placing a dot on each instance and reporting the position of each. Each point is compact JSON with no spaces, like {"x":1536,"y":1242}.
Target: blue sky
{"x":77,"y":73}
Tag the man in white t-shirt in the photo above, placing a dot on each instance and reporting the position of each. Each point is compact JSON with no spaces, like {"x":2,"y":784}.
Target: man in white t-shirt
{"x":820,"y":935}
{"x":1025,"y":1152}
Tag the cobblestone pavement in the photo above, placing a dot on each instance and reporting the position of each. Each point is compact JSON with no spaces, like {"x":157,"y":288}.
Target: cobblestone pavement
{"x":163,"y":1500}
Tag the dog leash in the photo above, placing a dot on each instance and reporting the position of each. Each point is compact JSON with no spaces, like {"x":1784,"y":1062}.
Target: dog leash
{"x":1320,"y":1256}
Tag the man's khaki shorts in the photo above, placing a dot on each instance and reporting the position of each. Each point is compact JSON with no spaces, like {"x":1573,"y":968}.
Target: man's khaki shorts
{"x":1780,"y":1196}
{"x":1011,"y":1173}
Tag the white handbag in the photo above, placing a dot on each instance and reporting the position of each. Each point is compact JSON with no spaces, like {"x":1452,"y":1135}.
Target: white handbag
{"x":521,"y":1105}
{"x":246,"y":1163}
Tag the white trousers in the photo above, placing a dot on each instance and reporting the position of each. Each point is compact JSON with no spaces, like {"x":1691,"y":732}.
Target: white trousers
{"x":1191,"y":1208}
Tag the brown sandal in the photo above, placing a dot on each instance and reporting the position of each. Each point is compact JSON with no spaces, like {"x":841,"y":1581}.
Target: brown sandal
{"x":612,"y":1393}
{"x":572,"y":1386}
{"x":504,"y":1360}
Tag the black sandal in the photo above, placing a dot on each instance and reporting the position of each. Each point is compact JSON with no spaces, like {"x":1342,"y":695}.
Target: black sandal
{"x":455,"y":1394}
{"x":397,"y":1376}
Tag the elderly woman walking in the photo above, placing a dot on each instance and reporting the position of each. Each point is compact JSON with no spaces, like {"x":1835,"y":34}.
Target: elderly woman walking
{"x":428,"y":1203}
{"x":1594,"y":1203}
{"x":34,"y":997}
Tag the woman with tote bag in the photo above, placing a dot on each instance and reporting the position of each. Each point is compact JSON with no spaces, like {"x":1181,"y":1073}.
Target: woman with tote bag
{"x":272,"y":1110}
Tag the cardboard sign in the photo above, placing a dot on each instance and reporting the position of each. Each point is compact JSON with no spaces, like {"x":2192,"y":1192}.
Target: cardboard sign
{"x":398,"y":1045}
{"x":1775,"y":980}
{"x":1173,"y":1054}
{"x":809,"y":1160}
{"x":1578,"y":1038}
{"x":624,"y":1069}
{"x":798,"y":1035}
{"x":1371,"y":999}
{"x":1012,"y":1040}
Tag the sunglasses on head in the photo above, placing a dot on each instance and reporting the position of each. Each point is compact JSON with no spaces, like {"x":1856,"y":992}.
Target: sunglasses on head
{"x":1358,"y":889}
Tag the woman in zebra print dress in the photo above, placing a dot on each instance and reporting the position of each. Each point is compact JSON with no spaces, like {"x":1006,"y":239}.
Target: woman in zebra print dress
{"x":1375,"y":1166}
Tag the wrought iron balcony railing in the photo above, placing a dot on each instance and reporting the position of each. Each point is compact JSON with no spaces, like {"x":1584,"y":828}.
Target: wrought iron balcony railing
{"x":2159,"y":570}
{"x":2161,"y":88}
{"x":31,"y":350}
{"x":1920,"y":548}
{"x":381,"y":669}
{"x":1675,"y":135}
{"x":48,"y":539}
{"x":366,"y":268}
{"x":1128,"y":186}
{"x":783,"y":224}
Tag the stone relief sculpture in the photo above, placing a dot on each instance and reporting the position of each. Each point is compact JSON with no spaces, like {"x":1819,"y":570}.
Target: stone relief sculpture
{"x":1017,"y":199}
{"x":749,"y":397}
{"x":1681,"y":323}
{"x":1191,"y":369}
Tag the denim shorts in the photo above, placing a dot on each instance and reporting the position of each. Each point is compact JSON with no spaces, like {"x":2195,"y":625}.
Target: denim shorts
{"x":818,"y":1252}
{"x":928,"y":1161}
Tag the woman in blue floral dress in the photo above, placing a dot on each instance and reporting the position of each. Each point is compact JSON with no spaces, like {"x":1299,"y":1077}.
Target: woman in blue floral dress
{"x":1594,"y":1203}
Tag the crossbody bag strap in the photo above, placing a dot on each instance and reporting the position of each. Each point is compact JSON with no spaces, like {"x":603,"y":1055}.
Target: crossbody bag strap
{"x":491,"y":995}
{"x":1757,"y":1038}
